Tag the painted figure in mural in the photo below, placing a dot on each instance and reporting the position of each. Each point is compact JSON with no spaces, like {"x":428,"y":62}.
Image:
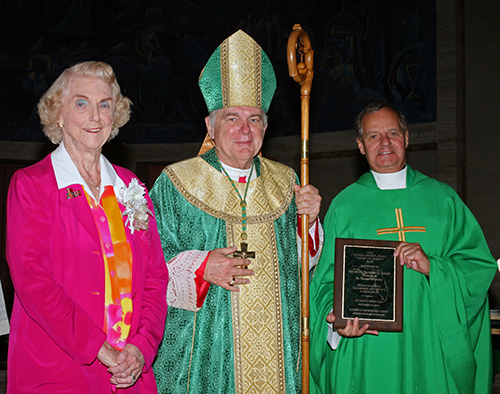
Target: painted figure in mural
{"x":228,"y":226}
{"x":445,"y":346}
{"x":84,"y":252}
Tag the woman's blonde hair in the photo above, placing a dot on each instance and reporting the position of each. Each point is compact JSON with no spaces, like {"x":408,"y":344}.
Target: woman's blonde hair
{"x":50,"y":105}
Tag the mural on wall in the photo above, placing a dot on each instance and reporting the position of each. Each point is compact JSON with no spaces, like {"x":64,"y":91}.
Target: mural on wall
{"x":364,"y":49}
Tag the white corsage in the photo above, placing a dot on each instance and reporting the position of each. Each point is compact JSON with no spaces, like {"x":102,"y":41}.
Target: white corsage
{"x":136,"y":206}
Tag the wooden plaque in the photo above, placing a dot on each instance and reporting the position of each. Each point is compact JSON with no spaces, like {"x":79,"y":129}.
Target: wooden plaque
{"x":368,"y":284}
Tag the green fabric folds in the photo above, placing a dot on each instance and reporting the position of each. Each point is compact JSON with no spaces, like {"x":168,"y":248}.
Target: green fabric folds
{"x":196,"y":354}
{"x":445,"y":346}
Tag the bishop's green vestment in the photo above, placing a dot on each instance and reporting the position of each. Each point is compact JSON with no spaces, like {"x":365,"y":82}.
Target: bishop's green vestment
{"x":445,"y":346}
{"x":236,"y":342}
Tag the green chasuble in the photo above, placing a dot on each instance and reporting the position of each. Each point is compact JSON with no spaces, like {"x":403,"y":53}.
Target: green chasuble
{"x":445,"y":346}
{"x":238,"y":342}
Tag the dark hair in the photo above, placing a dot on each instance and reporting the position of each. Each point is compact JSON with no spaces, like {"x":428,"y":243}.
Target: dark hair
{"x":376,"y":106}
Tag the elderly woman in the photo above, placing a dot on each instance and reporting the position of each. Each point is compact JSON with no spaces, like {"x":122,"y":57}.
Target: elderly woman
{"x":84,"y":252}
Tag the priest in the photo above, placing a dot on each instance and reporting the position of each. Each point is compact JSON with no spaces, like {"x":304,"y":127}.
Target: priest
{"x":228,"y":225}
{"x":445,"y":343}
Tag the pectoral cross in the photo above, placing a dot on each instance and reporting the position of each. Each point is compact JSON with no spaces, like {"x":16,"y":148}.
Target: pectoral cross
{"x":244,"y":252}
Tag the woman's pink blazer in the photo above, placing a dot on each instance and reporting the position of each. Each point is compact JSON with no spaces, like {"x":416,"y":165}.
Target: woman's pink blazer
{"x":56,"y":265}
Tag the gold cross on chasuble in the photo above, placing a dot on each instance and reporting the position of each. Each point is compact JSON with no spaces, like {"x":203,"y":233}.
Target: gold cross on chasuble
{"x":244,"y":252}
{"x":401,"y":229}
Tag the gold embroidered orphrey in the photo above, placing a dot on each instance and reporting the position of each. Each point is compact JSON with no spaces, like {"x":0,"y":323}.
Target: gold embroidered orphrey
{"x":256,"y":308}
{"x":241,"y":78}
{"x":401,"y":229}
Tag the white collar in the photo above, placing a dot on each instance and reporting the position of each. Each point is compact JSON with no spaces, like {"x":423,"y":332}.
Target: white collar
{"x":235,"y":173}
{"x":392,"y":180}
{"x":67,"y":173}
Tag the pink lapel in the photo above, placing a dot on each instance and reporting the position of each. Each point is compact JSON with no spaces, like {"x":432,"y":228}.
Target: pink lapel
{"x":73,"y":199}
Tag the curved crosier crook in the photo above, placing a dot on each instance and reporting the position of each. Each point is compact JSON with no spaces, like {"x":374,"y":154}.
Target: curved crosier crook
{"x":301,"y":72}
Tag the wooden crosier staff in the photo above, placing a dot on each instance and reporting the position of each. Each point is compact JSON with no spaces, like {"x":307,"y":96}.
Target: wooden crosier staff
{"x":302,"y":73}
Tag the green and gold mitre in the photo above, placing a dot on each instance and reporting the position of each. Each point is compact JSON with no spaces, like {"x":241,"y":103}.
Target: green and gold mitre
{"x":238,"y":73}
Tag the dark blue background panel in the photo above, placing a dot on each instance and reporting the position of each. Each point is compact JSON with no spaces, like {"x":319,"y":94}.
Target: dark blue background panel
{"x":364,"y":49}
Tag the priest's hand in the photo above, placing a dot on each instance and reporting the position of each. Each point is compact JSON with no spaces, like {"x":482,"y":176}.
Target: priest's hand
{"x":308,"y":202}
{"x":226,"y":271}
{"x":413,"y":256}
{"x":130,"y":365}
{"x":352,"y":329}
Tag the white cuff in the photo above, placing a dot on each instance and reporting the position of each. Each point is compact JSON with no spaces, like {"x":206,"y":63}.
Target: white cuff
{"x":332,"y":337}
{"x":181,"y":291}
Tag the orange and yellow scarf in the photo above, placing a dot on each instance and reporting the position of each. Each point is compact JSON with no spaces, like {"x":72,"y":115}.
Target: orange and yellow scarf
{"x":117,"y":255}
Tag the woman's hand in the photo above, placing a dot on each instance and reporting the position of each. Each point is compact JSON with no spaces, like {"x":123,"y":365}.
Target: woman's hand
{"x":107,"y":355}
{"x":130,"y":363}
